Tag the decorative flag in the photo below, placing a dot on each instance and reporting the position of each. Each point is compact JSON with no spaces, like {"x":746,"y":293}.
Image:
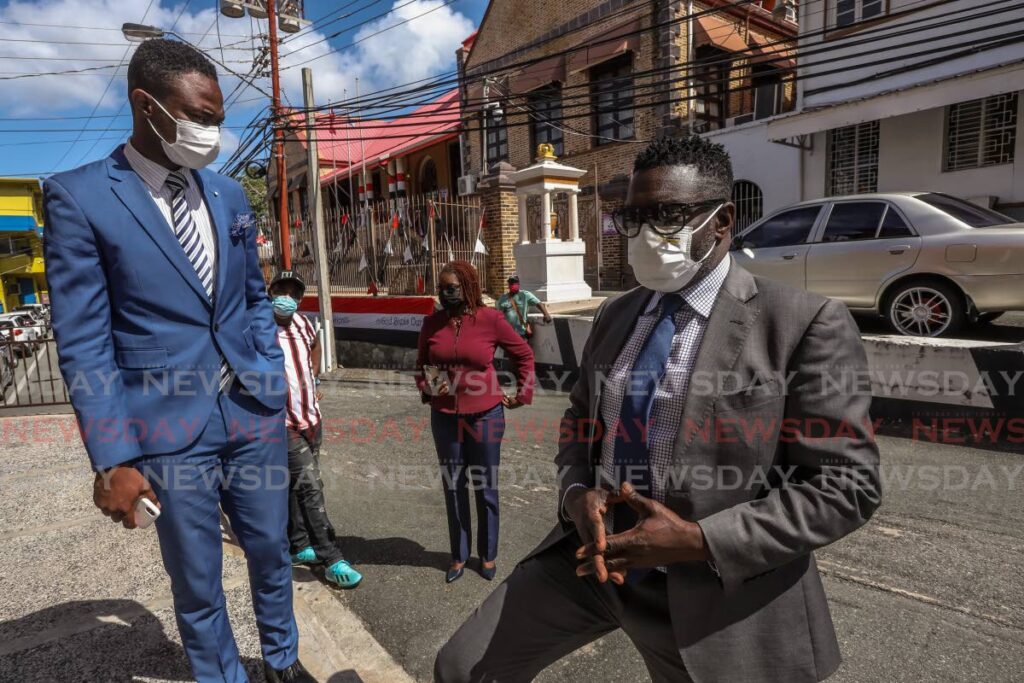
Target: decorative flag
{"x":431,"y":213}
{"x":394,"y":222}
{"x":344,"y":219}
{"x":421,"y":285}
{"x":372,"y":289}
{"x":407,"y":255}
{"x":479,"y":248}
{"x":362,"y":261}
{"x":387,"y":247}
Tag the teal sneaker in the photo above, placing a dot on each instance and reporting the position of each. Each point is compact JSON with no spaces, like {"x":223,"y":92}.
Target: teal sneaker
{"x":305,"y":556}
{"x":343,"y":575}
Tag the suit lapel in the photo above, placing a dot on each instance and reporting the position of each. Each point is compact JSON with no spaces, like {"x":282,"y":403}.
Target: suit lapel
{"x":731,"y":320}
{"x":219,"y":219}
{"x":129,"y":188}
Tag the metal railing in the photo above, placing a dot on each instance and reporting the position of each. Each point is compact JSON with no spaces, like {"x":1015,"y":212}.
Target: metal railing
{"x":392,"y":246}
{"x":29,"y":372}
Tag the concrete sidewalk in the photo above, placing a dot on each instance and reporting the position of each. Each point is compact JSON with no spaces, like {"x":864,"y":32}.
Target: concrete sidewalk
{"x":85,"y":599}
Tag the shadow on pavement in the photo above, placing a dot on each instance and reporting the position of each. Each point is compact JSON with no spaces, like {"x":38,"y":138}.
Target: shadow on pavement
{"x":349,"y":676}
{"x":396,"y":551}
{"x":115,"y":641}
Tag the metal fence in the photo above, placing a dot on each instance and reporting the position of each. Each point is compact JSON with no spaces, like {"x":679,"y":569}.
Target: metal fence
{"x":29,"y":374}
{"x":389,"y":246}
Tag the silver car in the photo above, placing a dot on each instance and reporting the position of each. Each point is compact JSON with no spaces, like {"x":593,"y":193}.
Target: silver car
{"x":926,"y":261}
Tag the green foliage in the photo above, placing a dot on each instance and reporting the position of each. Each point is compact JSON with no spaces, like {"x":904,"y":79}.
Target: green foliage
{"x":256,"y":191}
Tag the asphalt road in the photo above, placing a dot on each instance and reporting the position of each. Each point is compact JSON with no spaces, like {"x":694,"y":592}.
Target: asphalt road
{"x":930,"y":590}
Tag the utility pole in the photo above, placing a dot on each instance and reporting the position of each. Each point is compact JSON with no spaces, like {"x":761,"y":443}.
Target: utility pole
{"x":282,"y":173}
{"x":323,"y":279}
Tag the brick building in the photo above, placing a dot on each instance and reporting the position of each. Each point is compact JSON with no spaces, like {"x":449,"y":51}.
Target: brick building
{"x":598,"y":79}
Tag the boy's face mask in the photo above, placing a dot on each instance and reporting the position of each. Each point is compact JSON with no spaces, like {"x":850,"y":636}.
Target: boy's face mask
{"x":284,"y":305}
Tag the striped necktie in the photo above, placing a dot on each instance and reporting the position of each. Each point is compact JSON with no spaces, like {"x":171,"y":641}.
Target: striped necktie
{"x":187,"y":232}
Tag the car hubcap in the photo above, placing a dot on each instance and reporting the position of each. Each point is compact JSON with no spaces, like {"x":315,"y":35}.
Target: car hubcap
{"x":922,"y":311}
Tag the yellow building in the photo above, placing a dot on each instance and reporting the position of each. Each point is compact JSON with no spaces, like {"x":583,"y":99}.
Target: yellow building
{"x":22,"y":273}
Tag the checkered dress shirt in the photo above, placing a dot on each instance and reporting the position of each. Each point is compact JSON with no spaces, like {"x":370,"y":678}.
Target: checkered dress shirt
{"x":670,"y":396}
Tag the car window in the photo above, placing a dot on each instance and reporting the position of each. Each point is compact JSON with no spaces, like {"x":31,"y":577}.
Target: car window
{"x":851,"y":221}
{"x":893,"y":225}
{"x":785,"y":229}
{"x":971,"y":214}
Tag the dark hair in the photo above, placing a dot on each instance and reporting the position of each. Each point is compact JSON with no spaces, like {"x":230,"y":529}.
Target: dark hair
{"x":469,"y":281}
{"x":710,"y":158}
{"x":158,"y":62}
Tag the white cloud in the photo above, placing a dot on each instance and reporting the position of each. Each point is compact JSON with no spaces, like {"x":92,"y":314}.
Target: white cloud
{"x":418,"y":49}
{"x":380,"y":57}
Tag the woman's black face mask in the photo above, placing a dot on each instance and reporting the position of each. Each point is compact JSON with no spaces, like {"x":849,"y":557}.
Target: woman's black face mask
{"x":451,"y":297}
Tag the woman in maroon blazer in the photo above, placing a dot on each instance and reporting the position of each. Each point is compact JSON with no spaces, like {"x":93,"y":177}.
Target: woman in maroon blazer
{"x":457,"y":345}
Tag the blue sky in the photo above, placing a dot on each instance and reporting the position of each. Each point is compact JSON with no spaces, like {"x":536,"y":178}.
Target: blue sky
{"x":70,"y":35}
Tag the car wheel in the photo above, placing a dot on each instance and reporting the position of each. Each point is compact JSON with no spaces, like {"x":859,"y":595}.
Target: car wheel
{"x":926,"y":309}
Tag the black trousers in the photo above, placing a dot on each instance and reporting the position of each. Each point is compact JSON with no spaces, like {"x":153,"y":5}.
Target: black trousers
{"x":543,"y":611}
{"x":308,"y":524}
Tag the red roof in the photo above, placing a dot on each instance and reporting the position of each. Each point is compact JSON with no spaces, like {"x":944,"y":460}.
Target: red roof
{"x":343,"y":143}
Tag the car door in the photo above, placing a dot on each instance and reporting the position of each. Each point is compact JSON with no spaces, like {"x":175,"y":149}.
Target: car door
{"x":862,"y":245}
{"x":777,"y":247}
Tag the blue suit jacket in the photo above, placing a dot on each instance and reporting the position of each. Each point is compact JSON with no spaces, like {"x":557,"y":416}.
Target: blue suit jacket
{"x":139,"y":341}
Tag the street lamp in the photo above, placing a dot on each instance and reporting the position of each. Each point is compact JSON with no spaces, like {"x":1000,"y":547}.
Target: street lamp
{"x":136,"y":33}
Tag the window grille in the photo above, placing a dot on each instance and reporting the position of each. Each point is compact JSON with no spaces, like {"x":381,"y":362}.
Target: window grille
{"x":749,"y":203}
{"x":981,"y":132}
{"x":853,"y":159}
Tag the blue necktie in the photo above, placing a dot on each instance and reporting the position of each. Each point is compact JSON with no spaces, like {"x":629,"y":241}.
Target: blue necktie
{"x":631,"y":457}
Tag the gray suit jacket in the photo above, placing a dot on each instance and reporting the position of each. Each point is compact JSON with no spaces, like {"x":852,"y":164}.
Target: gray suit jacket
{"x":766,"y":617}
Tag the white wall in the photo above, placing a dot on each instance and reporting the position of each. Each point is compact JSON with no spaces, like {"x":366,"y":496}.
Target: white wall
{"x":773,"y":167}
{"x":910,"y":158}
{"x":815,"y":12}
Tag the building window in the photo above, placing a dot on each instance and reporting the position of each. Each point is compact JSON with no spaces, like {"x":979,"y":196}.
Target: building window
{"x":428,"y":176}
{"x":545,"y":106}
{"x":497,"y":137}
{"x":749,"y":204}
{"x":981,"y":132}
{"x":848,"y":12}
{"x":711,"y":74}
{"x":768,"y":91}
{"x":611,"y":90}
{"x":853,"y":159}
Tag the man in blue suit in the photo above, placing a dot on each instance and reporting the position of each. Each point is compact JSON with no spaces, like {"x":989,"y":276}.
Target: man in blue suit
{"x":168,"y":346}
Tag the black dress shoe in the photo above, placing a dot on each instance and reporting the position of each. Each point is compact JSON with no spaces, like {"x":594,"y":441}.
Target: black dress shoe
{"x":454,"y":574}
{"x":296,"y":673}
{"x":488,"y":572}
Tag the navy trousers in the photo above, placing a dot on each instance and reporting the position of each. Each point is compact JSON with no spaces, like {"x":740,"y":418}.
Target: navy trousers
{"x":239,"y":463}
{"x":469,"y":450}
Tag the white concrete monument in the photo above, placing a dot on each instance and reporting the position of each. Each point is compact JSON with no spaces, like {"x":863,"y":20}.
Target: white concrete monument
{"x":551,"y":268}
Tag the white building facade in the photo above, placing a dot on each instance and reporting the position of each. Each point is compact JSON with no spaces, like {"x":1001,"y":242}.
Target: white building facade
{"x":916,"y":95}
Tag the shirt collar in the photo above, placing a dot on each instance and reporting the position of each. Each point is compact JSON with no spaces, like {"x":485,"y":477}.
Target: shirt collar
{"x":700,"y":295}
{"x":152,"y":173}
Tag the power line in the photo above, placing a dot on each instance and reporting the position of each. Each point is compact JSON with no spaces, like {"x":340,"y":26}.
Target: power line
{"x":93,"y":28}
{"x":864,"y":38}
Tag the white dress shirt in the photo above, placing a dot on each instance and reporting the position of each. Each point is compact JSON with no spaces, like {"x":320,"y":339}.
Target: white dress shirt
{"x":154,"y":177}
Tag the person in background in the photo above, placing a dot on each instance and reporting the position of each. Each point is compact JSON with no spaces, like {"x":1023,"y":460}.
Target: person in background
{"x":515,"y":304}
{"x":310,"y":534}
{"x":457,"y":377}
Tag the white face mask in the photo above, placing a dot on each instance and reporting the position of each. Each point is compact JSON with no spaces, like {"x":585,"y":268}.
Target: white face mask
{"x":665,"y":264}
{"x":194,"y":146}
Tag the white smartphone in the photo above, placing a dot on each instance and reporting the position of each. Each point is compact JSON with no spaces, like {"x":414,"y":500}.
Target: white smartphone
{"x":146,"y":512}
{"x":432,"y":373}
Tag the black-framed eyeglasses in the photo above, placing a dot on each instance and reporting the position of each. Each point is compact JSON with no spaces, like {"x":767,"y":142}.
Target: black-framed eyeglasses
{"x":664,"y":219}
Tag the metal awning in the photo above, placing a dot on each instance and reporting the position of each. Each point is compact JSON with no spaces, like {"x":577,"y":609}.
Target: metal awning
{"x":940,"y":93}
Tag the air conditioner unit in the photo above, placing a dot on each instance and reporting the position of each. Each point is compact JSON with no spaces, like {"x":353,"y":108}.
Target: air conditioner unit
{"x":739,"y":120}
{"x":785,"y":10}
{"x":467,"y":185}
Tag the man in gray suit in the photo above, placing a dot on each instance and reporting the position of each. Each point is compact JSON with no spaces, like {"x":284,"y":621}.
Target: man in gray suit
{"x":727,"y":447}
